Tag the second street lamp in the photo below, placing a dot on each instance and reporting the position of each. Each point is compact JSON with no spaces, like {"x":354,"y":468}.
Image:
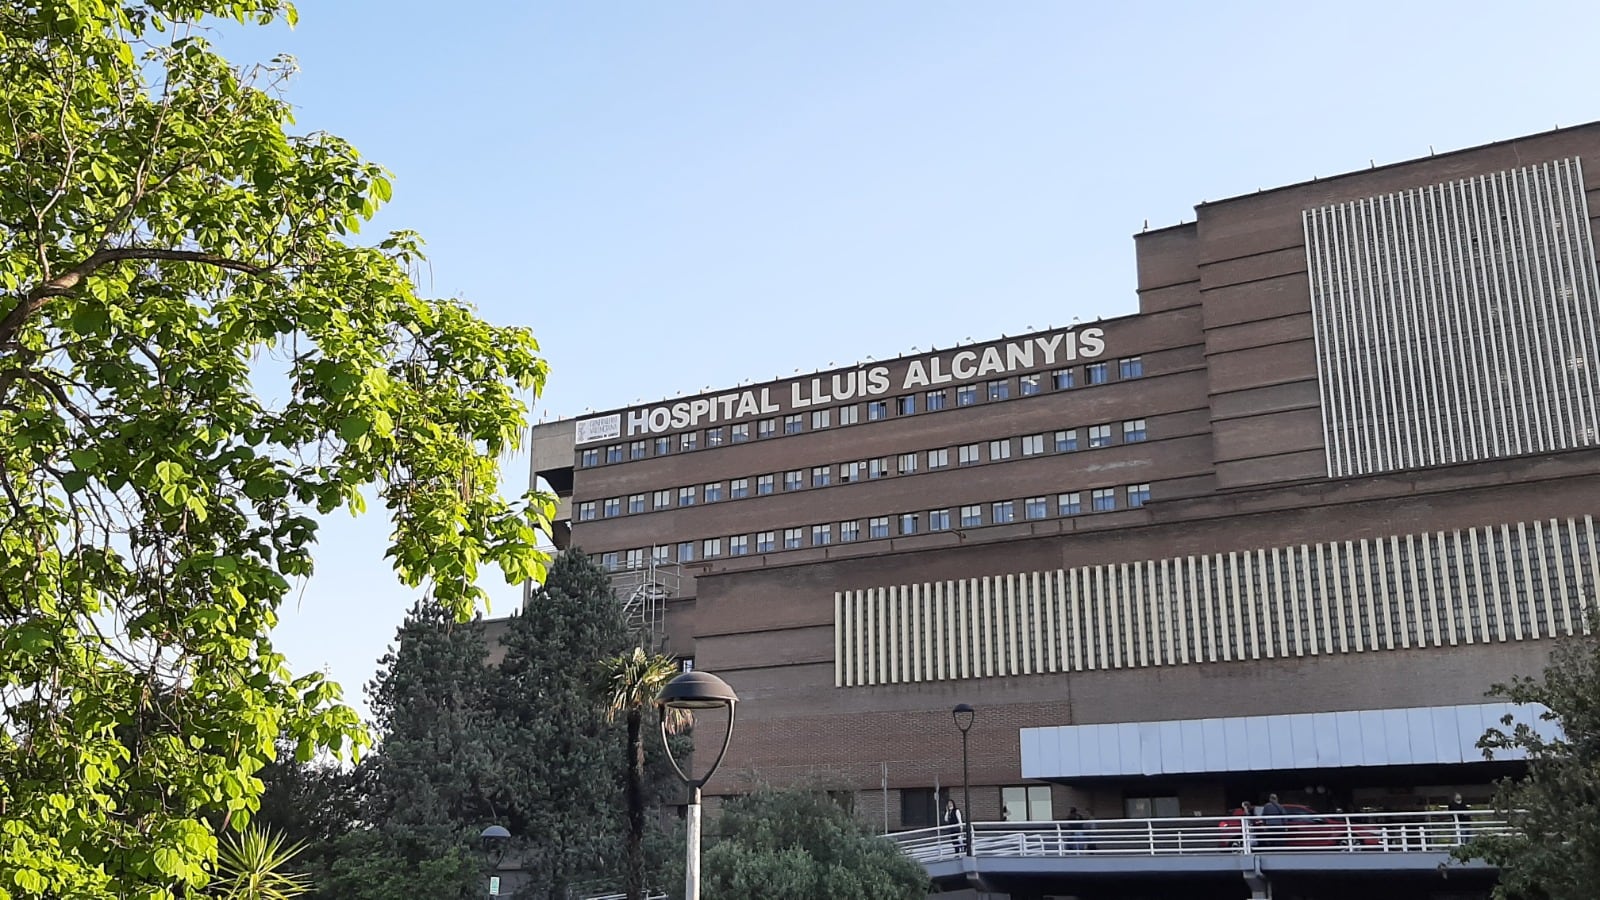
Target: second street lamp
{"x":691,"y":691}
{"x":963,"y":715}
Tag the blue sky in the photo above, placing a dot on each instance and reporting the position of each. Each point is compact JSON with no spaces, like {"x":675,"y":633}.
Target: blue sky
{"x":682,"y":195}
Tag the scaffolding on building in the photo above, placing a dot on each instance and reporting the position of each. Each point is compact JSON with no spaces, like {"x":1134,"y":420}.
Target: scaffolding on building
{"x":644,"y":588}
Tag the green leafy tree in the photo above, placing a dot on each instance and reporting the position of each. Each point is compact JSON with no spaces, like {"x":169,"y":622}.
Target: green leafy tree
{"x":195,"y":360}
{"x":549,"y":712}
{"x":1552,"y":849}
{"x":637,"y":678}
{"x":798,"y":844}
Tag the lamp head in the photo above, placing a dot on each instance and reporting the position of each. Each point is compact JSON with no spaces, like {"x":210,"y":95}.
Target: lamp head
{"x":494,"y":840}
{"x":697,"y":690}
{"x":962,"y":715}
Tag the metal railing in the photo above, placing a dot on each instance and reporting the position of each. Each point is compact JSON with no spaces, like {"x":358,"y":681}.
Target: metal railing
{"x":1396,"y":832}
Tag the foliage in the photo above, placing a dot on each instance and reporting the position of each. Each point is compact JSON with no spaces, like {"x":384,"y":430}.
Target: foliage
{"x":194,"y":361}
{"x":636,"y":680}
{"x":1553,"y":849}
{"x":798,"y":844}
{"x":253,"y":865}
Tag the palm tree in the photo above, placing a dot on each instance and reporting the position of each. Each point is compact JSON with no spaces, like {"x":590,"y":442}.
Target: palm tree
{"x":636,"y":682}
{"x":251,"y":866}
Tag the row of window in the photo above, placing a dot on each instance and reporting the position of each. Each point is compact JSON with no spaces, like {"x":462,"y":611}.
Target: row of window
{"x":1064,"y":441}
{"x":975,"y":515}
{"x":876,"y":410}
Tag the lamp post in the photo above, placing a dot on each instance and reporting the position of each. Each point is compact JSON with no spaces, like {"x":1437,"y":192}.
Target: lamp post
{"x":495,"y":838}
{"x":695,"y":690}
{"x":963,"y":715}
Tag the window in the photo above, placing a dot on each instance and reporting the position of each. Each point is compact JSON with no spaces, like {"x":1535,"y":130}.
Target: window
{"x":661,"y":499}
{"x":1000,"y":389}
{"x":971,"y":515}
{"x":766,"y":428}
{"x":635,"y":559}
{"x":1069,"y":504}
{"x":1151,"y":807}
{"x":663,"y":446}
{"x":1032,"y":444}
{"x":793,"y":424}
{"x":821,"y":476}
{"x":1063,"y":379}
{"x":849,"y":415}
{"x":1138,"y":495}
{"x":821,"y":418}
{"x":1099,"y":436}
{"x":877,"y":410}
{"x":614,"y":453}
{"x":908,"y":523}
{"x":739,"y":488}
{"x":849,"y":531}
{"x":1130,"y":367}
{"x":793,"y":538}
{"x":764,"y":484}
{"x":611,"y":561}
{"x":686,"y":664}
{"x":905,"y":406}
{"x":686,"y":496}
{"x":967,"y":455}
{"x":878,"y":527}
{"x":821,"y":535}
{"x":1133,"y":431}
{"x":765,"y":541}
{"x":712,"y":547}
{"x":1096,"y":373}
{"x":713,"y":437}
{"x":1027,"y":803}
{"x":938,"y":459}
{"x":686,"y":552}
{"x":934,"y":400}
{"x":850,"y":471}
{"x":1036,"y":507}
{"x":661,"y":554}
{"x":1004,"y":511}
{"x":939,"y":520}
{"x":877,"y":468}
{"x":919,"y":808}
{"x":589,"y":457}
{"x":1067,"y":441}
{"x":966,"y":395}
{"x":635,"y":503}
{"x":612,"y":507}
{"x":586,"y":511}
{"x":1000,"y":449}
{"x":794,"y":480}
{"x":907,"y":463}
{"x":1102,"y":499}
{"x":713,"y":492}
{"x":638,"y":449}
{"x":739,"y":545}
{"x":689,"y":440}
{"x":740,"y":433}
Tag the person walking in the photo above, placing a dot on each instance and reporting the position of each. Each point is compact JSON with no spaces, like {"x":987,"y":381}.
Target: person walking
{"x":1271,"y":811}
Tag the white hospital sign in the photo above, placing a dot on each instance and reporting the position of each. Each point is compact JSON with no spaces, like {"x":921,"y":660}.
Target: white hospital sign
{"x":875,"y":381}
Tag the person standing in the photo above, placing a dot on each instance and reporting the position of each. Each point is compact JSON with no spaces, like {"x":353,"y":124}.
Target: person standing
{"x":1273,"y":810}
{"x":952,"y":816}
{"x":1457,"y":806}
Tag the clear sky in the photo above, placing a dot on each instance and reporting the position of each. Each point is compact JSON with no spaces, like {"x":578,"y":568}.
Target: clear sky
{"x":684,"y":195}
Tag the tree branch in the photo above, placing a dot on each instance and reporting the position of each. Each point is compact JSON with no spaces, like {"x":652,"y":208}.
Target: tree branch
{"x":35,"y":299}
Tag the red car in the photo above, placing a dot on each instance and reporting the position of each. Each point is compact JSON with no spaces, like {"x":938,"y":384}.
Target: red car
{"x":1300,"y":826}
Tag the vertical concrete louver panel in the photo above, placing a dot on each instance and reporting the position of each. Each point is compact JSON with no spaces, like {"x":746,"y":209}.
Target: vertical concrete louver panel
{"x":1456,"y":322}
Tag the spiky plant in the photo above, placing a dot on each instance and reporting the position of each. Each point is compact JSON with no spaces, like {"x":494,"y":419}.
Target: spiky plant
{"x":253,"y":865}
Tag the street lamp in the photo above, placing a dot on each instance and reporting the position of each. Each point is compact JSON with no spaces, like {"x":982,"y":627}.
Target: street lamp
{"x":695,"y":690}
{"x":962,"y":715}
{"x":494,"y":838}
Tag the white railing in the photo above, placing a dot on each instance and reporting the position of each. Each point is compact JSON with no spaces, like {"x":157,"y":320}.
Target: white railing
{"x":1331,"y":833}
